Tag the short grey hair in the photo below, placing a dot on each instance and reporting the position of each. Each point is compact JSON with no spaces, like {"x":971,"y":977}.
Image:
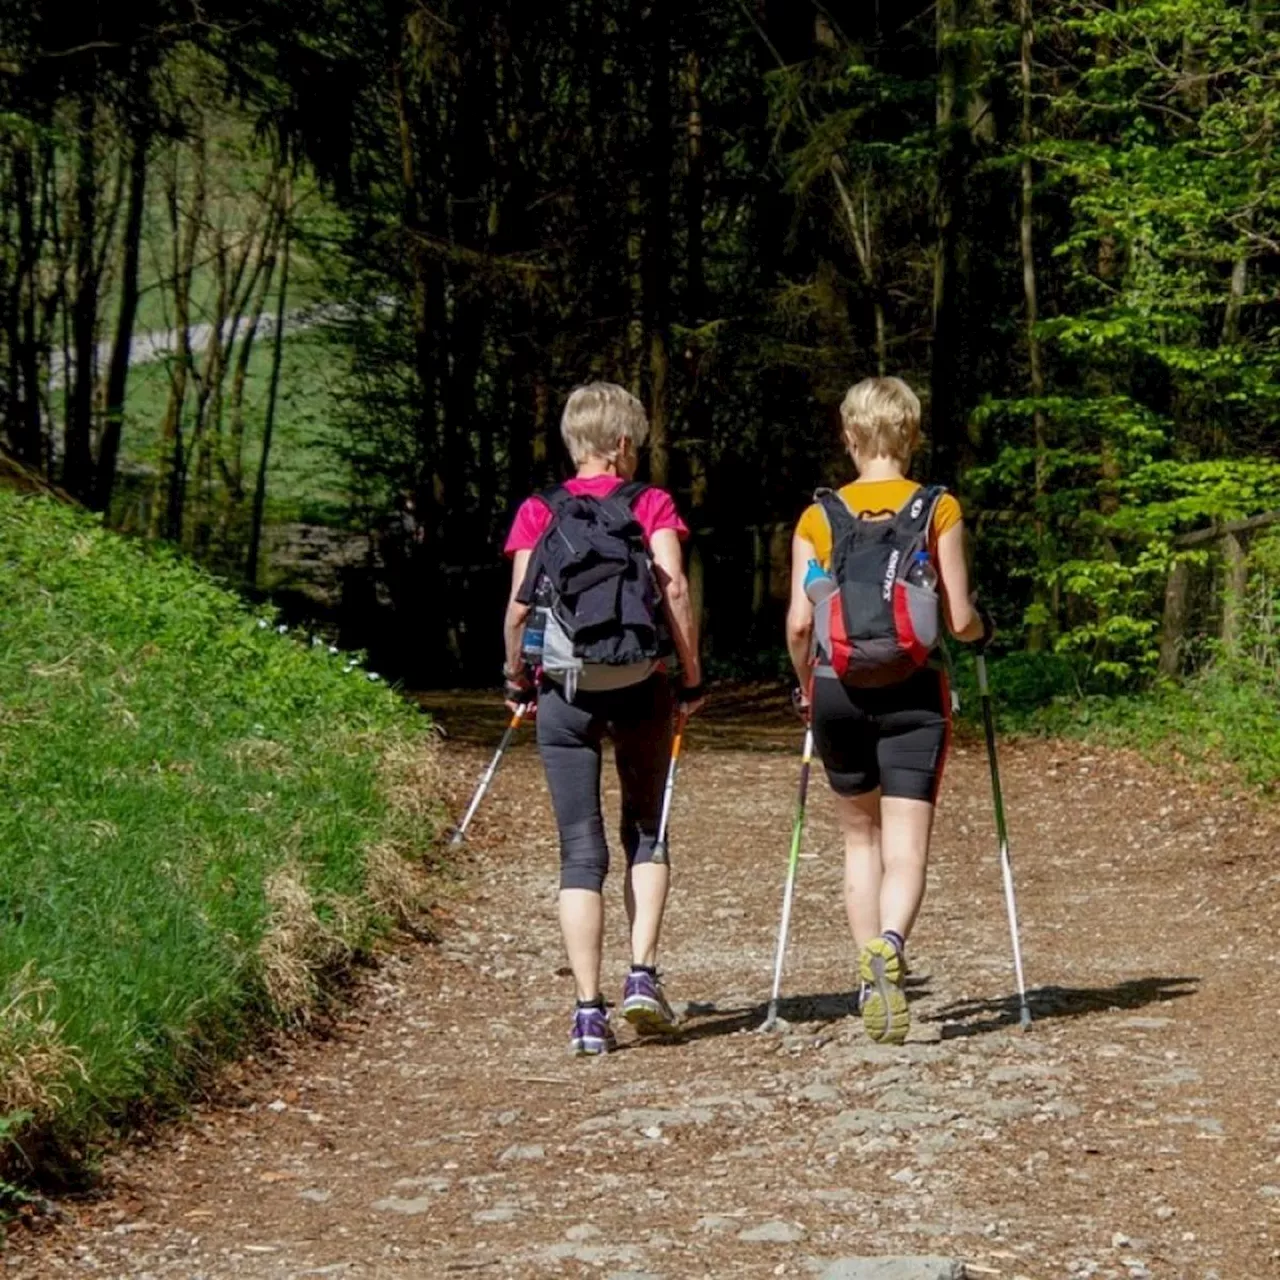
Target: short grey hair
{"x":598,"y":415}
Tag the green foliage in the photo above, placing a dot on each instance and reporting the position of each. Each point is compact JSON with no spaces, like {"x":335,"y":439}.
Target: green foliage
{"x":171,"y":765}
{"x":1223,"y":719}
{"x":1221,"y":722}
{"x":305,"y":473}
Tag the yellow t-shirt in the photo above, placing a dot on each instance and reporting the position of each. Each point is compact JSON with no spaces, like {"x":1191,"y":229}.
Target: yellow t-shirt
{"x":870,"y":498}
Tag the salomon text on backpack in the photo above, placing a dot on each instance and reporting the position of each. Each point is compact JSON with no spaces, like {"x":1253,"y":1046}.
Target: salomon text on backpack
{"x":877,"y":628}
{"x":592,"y":581}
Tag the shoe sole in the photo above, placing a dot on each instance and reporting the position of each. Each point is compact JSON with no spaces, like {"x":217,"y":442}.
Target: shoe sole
{"x":885,"y":1015}
{"x":649,"y":1019}
{"x":883,"y":950}
{"x":591,"y":1047}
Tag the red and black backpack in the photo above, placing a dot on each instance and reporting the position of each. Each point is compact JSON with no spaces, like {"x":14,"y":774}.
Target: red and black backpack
{"x":876,"y":628}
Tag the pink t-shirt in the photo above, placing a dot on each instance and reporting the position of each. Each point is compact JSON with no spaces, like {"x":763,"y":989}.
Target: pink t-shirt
{"x":655,"y":509}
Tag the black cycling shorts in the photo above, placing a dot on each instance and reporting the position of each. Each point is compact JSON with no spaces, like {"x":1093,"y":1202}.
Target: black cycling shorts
{"x":894,"y":738}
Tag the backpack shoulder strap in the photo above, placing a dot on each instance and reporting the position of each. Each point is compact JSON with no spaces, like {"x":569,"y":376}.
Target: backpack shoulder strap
{"x":554,"y":499}
{"x":631,"y":492}
{"x":839,"y":517}
{"x":916,"y":515}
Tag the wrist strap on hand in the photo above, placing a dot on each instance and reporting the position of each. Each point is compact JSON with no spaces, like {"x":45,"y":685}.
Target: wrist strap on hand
{"x":520,"y":688}
{"x":988,"y":629}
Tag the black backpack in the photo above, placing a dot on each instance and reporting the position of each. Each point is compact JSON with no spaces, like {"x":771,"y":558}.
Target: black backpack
{"x":877,"y":628}
{"x":592,"y":576}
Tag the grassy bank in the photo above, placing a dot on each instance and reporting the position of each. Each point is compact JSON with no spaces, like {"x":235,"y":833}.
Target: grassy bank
{"x":200,"y":819}
{"x":1223,"y":722}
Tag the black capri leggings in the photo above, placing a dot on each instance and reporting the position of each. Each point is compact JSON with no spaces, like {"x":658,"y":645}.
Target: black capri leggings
{"x":570,"y":734}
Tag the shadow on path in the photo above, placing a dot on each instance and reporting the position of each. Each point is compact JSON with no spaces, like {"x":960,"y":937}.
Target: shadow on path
{"x":977,"y":1017}
{"x":709,"y":1020}
{"x":959,"y":1019}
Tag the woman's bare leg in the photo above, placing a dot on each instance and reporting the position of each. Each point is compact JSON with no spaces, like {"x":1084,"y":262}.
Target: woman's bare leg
{"x":860,"y":823}
{"x":646,"y":898}
{"x":906,"y":826}
{"x":582,"y":923}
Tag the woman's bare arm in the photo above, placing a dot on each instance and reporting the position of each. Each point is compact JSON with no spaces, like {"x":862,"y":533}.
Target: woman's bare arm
{"x":677,"y":602}
{"x":800,"y":612}
{"x":963,"y":619}
{"x":517,"y":615}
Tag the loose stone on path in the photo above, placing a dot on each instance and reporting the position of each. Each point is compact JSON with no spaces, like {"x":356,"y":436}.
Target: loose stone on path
{"x":410,"y":1208}
{"x":893,"y":1269}
{"x":773,"y":1233}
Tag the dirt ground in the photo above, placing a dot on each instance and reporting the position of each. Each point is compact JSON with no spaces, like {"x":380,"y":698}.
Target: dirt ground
{"x":442,"y":1128}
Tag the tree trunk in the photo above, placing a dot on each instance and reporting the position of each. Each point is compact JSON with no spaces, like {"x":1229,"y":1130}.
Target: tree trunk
{"x":945,"y":427}
{"x":77,"y":464}
{"x":759,"y":573}
{"x":426,"y":486}
{"x":208,"y":406}
{"x":118,"y":370}
{"x":166,"y":511}
{"x":695,"y":187}
{"x":697,"y":441}
{"x":233,"y":461}
{"x":1234,"y":594}
{"x":1036,"y":637}
{"x":25,"y":429}
{"x":1173,"y":627}
{"x":657,"y":244}
{"x":273,"y":388}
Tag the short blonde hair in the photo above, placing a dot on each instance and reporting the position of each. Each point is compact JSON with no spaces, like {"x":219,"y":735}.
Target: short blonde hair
{"x":598,"y":415}
{"x":881,"y":417}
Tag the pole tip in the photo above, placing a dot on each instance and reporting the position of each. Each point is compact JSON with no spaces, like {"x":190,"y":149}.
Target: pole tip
{"x":458,"y":837}
{"x":1024,"y":1018}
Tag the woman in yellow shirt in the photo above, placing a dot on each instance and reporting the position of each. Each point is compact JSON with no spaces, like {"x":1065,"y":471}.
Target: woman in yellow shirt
{"x":883,"y":747}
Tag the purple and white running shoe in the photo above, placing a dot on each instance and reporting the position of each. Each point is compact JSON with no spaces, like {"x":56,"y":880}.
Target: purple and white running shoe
{"x":592,"y":1035}
{"x":645,"y":1006}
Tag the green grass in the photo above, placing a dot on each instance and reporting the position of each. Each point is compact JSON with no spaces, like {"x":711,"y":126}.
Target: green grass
{"x":305,"y":479}
{"x":1223,"y":720}
{"x":194,"y":821}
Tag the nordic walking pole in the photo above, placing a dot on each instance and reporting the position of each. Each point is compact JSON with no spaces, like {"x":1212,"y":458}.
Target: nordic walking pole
{"x":797,"y":831}
{"x":1006,"y":865}
{"x":486,"y":778}
{"x":660,"y":845}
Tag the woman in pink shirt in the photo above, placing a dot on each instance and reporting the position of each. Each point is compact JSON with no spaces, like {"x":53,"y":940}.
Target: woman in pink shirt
{"x":604,"y":427}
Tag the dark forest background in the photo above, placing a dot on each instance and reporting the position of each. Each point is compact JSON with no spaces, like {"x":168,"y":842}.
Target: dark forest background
{"x":302,"y":285}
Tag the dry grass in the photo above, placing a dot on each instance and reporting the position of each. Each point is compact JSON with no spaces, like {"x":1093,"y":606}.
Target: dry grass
{"x":413,"y":781}
{"x":303,"y":943}
{"x":260,"y":753}
{"x":36,"y":1067}
{"x":297,"y":945}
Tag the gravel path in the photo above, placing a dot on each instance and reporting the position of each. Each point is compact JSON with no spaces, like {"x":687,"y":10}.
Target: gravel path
{"x":442,"y":1130}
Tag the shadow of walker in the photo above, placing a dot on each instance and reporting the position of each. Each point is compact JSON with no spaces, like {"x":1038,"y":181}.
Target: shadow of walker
{"x":978,"y":1017}
{"x":706,"y":1021}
